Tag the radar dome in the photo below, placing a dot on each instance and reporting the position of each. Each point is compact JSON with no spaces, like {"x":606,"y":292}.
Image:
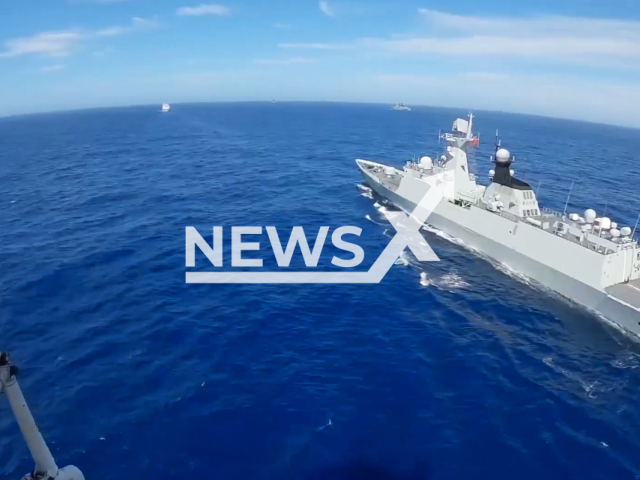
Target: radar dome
{"x":605,"y":223}
{"x":503,"y":155}
{"x":625,"y":231}
{"x":589,"y":215}
{"x":574,"y":217}
{"x":615,"y":233}
{"x":614,"y":225}
{"x":426,"y":162}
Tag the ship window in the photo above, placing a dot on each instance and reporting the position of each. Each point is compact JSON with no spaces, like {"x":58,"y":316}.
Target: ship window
{"x":527,"y":212}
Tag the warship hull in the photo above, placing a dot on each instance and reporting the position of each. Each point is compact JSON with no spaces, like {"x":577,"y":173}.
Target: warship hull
{"x":493,"y":235}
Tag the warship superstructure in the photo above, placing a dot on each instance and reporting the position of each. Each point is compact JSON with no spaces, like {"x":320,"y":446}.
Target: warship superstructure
{"x":401,"y":106}
{"x":585,"y":258}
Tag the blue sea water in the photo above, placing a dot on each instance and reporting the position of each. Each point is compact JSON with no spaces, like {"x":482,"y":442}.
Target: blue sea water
{"x":131,"y":372}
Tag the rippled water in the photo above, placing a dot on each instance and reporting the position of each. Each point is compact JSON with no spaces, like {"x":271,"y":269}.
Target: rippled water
{"x":465,"y":372}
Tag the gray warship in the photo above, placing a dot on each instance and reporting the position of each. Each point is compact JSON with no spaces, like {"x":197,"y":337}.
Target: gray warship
{"x":587,"y":259}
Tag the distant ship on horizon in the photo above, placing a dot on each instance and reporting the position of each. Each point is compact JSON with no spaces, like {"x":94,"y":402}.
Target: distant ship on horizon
{"x":400,"y":106}
{"x":165,"y":107}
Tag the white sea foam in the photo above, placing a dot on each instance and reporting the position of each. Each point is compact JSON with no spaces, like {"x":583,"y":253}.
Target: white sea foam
{"x":452,"y":281}
{"x":372,"y":220}
{"x":402,"y":260}
{"x":627,"y":360}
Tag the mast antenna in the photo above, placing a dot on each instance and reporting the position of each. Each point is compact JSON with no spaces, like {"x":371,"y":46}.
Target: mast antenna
{"x":635,"y":228}
{"x":567,"y":202}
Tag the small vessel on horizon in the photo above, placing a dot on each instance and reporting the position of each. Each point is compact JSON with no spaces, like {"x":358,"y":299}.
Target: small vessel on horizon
{"x":400,"y":106}
{"x":165,"y":107}
{"x":586,"y":258}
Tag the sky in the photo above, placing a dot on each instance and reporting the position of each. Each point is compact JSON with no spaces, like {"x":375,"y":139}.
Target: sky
{"x":571,"y":59}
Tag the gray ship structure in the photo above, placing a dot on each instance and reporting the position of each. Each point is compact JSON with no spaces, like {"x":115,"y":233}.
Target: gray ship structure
{"x":401,"y":106}
{"x":587,"y":259}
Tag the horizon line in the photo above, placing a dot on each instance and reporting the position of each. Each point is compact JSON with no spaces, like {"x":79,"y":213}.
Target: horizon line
{"x":353,"y":102}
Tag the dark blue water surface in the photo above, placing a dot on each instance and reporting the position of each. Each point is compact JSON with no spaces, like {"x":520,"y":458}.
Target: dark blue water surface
{"x":132,"y":373}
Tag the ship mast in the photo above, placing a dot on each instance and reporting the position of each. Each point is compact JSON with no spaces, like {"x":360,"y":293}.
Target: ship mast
{"x":45,"y":465}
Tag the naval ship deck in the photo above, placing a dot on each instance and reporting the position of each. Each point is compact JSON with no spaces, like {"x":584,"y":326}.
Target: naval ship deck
{"x":627,"y":292}
{"x":392,"y":183}
{"x":550,"y":221}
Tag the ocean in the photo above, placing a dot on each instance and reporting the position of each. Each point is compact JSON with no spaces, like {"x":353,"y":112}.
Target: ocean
{"x":130,"y":372}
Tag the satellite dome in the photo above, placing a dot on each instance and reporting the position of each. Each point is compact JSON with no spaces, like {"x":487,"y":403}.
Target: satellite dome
{"x":511,"y":172}
{"x":615,"y":233}
{"x":605,"y":223}
{"x":492,"y":173}
{"x":574,"y":217}
{"x":503,"y":155}
{"x":426,"y":162}
{"x":443,"y":157}
{"x":589,"y":215}
{"x":614,"y":225}
{"x":625,"y":231}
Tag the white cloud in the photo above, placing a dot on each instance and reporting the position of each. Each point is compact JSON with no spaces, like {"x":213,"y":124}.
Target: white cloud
{"x":541,"y":25}
{"x":573,"y":39}
{"x":326,"y":9}
{"x":601,"y":43}
{"x":61,"y":43}
{"x":510,"y":46}
{"x":204,"y":9}
{"x":52,"y":68}
{"x":53,"y":44}
{"x":284,"y":61}
{"x":137,"y":23}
